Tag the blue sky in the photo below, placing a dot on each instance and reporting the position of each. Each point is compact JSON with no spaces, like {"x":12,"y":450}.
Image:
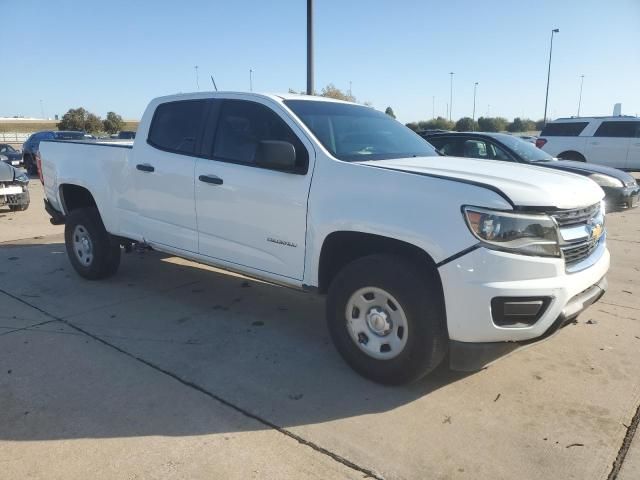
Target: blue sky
{"x":116,"y":55}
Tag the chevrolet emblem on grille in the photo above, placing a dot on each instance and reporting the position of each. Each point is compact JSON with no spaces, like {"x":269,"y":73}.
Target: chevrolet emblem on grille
{"x":595,"y":229}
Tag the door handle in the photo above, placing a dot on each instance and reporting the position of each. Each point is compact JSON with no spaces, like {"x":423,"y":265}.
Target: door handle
{"x":595,"y":143}
{"x":636,"y":144}
{"x":145,"y":167}
{"x":212,"y":179}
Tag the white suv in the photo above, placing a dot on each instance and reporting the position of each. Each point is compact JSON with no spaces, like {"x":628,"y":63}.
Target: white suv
{"x":612,"y":141}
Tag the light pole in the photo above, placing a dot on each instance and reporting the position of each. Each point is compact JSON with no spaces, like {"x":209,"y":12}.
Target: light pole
{"x":451,"y":95}
{"x":197,"y":79}
{"x":473,"y":116}
{"x":580,"y":96}
{"x":309,"y":47}
{"x":350,"y":94}
{"x":251,"y":80}
{"x":546,"y":98}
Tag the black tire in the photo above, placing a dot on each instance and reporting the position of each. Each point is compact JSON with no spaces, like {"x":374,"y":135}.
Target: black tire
{"x":419,"y":295}
{"x":575,"y":156}
{"x":104,"y":251}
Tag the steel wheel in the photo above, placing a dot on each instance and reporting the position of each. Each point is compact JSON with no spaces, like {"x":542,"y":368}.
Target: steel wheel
{"x":82,"y":245}
{"x":377,"y":323}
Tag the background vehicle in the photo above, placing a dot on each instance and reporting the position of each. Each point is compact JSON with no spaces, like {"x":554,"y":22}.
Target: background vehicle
{"x":14,"y":188}
{"x":13,"y":156}
{"x":528,"y":138}
{"x":126,"y":135}
{"x":621,"y":188}
{"x":31,"y":146}
{"x":337,"y":198}
{"x":611,"y":141}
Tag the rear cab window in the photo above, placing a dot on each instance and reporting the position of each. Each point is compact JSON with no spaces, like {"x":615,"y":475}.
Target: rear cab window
{"x":563,"y":129}
{"x":177,"y":126}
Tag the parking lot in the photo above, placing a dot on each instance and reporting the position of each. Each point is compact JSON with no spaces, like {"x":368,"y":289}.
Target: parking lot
{"x":172,"y":369}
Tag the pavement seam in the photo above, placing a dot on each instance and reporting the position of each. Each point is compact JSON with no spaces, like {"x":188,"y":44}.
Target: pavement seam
{"x":302,"y":441}
{"x":624,"y":448}
{"x":27,"y":327}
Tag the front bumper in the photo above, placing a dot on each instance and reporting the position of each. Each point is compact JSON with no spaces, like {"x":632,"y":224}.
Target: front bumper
{"x":16,"y":199}
{"x":621,"y":198}
{"x":470,"y":283}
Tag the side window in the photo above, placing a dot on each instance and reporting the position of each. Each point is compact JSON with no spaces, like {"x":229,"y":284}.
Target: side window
{"x":176,"y":126}
{"x":497,"y":153}
{"x":475,"y":149}
{"x":617,"y":129}
{"x":447,"y":146}
{"x":242,"y":125}
{"x":563,"y":129}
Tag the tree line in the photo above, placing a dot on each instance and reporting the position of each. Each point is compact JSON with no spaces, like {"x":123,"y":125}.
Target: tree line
{"x":483,"y":124}
{"x":81,"y":119}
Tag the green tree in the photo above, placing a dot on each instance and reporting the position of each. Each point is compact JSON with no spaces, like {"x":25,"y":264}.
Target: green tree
{"x":540,"y":124}
{"x":439,"y":123}
{"x":389,"y":111}
{"x":113,"y":123}
{"x":331,"y":91}
{"x":492,"y":124}
{"x":465,"y":124}
{"x":413,"y":126}
{"x":80,"y":119}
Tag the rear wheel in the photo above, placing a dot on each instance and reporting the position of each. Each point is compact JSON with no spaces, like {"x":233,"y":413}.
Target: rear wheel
{"x":91,"y":250}
{"x":575,"y":156}
{"x":386,"y":319}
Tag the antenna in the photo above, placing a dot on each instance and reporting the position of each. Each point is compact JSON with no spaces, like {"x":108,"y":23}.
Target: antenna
{"x":214,"y":83}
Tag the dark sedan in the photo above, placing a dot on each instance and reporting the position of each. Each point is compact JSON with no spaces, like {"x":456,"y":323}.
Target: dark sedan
{"x":621,"y":189}
{"x":14,"y":157}
{"x":32,"y":145}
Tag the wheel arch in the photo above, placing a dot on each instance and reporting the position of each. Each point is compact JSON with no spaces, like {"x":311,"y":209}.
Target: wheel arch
{"x":73,"y":196}
{"x":339,"y":248}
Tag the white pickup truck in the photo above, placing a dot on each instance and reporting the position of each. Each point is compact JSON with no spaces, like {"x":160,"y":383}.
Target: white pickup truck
{"x":418,"y":254}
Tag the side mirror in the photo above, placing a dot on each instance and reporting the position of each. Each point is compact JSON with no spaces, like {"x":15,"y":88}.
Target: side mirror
{"x":276,"y":155}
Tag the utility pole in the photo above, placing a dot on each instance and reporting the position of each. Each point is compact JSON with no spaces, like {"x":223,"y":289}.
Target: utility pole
{"x":197,"y":79}
{"x":451,"y":95}
{"x":580,"y":96}
{"x":546,"y":98}
{"x":473,"y":116}
{"x":250,"y":80}
{"x":309,"y":47}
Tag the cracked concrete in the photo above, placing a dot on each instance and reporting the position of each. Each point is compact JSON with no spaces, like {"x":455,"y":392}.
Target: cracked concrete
{"x":173,"y":369}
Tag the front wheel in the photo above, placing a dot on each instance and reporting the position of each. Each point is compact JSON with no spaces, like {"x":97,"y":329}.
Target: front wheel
{"x":386,"y":318}
{"x":91,"y":250}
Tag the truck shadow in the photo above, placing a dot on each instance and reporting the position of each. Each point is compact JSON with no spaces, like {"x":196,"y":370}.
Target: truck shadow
{"x":148,"y":351}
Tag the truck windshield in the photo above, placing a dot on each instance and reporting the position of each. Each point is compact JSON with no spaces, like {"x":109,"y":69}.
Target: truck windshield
{"x":357,"y":133}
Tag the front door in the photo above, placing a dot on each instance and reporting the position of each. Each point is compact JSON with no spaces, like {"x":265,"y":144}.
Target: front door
{"x":247,"y":215}
{"x":610,"y":144}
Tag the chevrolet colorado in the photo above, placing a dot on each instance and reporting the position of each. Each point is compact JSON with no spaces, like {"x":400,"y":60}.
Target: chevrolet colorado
{"x":419,"y":255}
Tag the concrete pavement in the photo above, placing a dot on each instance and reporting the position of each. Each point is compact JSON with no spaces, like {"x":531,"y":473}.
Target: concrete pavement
{"x":168,"y":358}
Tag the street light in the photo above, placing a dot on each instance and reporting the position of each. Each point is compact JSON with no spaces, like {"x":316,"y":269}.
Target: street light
{"x":451,"y":94}
{"x":546,"y":98}
{"x":473,"y":116}
{"x":250,"y":80}
{"x":197,"y":79}
{"x":309,"y":47}
{"x":580,"y":97}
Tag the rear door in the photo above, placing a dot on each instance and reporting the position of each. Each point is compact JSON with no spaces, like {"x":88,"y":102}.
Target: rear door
{"x":251,"y":216}
{"x":610,"y":143}
{"x":163,"y":167}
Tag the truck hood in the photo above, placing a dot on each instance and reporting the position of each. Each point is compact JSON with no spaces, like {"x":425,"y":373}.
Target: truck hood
{"x":523,"y":185}
{"x":6,"y":172}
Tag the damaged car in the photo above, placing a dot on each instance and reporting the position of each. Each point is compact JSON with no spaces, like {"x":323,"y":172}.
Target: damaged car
{"x":14,"y":188}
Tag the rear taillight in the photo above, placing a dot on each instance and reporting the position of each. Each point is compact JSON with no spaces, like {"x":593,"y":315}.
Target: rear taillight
{"x":540,"y":142}
{"x":39,"y":166}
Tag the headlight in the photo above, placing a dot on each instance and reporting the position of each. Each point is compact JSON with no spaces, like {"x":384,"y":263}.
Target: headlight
{"x":22,"y":178}
{"x":513,"y":232}
{"x":605,"y":180}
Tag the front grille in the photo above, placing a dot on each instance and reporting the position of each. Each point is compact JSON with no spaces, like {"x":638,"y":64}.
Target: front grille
{"x":577,"y":252}
{"x":577,"y":216}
